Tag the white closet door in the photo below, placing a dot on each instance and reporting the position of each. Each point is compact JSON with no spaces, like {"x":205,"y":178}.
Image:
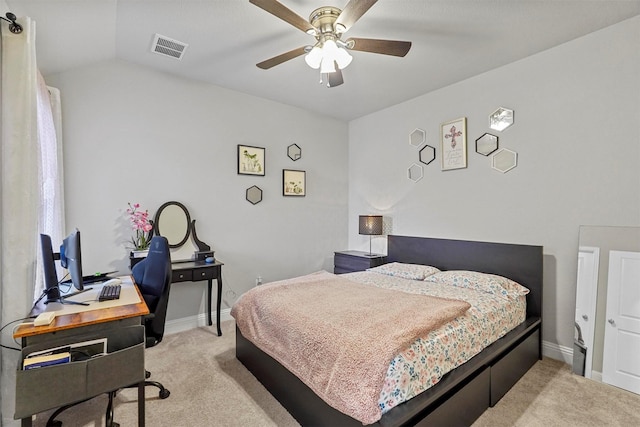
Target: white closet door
{"x":621,"y":362}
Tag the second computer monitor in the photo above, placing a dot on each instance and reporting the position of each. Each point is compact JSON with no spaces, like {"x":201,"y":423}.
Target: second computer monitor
{"x":71,"y":258}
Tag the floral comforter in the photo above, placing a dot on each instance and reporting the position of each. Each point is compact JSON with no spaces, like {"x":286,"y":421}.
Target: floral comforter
{"x":429,"y":358}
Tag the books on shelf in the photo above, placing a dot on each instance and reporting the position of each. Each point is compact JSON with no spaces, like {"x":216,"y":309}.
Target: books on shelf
{"x":46,"y":360}
{"x":69,"y":353}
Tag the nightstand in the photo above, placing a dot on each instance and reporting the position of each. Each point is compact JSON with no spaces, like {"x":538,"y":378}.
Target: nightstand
{"x":350,"y":261}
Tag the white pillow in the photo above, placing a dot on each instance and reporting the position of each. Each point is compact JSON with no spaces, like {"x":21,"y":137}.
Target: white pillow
{"x":484,"y":282}
{"x":406,"y":271}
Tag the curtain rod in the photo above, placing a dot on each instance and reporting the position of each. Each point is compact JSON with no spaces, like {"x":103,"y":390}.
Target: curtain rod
{"x":14,"y":27}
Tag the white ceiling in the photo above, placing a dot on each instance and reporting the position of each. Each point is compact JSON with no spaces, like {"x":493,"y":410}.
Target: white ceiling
{"x":452,"y":40}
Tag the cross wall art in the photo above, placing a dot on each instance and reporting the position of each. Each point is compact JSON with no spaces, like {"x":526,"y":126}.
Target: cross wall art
{"x":453,"y":141}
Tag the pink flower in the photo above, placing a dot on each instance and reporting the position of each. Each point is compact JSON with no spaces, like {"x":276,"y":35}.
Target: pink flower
{"x":141,"y":224}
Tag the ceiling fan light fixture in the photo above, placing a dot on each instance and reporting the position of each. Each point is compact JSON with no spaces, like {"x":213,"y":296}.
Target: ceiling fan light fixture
{"x":331,"y":52}
{"x":328,"y":57}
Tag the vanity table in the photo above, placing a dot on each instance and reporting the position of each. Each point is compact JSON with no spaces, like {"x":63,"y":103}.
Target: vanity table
{"x":173,"y":221}
{"x":194,"y":271}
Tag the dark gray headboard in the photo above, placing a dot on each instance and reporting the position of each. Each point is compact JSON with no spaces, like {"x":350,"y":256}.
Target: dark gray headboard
{"x":520,"y":263}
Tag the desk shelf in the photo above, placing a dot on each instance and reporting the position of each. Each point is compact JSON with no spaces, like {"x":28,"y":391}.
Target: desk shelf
{"x":41,"y":389}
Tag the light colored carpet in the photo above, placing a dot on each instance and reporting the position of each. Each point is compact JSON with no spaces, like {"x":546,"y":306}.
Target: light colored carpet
{"x":209,"y":387}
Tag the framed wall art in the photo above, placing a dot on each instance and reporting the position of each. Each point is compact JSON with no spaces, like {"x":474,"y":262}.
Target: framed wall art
{"x":250,"y":160}
{"x":293,"y":182}
{"x":453,"y":141}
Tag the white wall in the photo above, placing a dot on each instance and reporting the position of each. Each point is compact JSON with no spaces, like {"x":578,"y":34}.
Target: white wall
{"x":136,"y":135}
{"x":577,"y":134}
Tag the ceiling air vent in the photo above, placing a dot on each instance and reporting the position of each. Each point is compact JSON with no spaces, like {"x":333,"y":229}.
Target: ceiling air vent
{"x":168,"y":47}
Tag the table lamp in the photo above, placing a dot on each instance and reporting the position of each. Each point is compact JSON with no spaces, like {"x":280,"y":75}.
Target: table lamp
{"x":370,"y":225}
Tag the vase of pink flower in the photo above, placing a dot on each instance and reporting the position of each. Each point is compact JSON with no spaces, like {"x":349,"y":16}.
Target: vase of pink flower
{"x":143,"y":227}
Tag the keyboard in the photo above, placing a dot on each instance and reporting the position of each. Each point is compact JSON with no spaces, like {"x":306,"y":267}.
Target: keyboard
{"x":109,"y":292}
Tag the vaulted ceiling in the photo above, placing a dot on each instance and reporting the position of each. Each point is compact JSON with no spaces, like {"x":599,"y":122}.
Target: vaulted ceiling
{"x":452,"y":40}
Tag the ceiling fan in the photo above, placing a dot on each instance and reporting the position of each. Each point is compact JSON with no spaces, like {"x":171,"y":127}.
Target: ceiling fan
{"x":327,"y":24}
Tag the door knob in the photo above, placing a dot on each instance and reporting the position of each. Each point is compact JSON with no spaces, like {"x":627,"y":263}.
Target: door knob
{"x":612,"y":322}
{"x":585,"y":317}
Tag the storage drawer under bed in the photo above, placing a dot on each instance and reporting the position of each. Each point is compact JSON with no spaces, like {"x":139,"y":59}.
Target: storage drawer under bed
{"x":506,"y":371}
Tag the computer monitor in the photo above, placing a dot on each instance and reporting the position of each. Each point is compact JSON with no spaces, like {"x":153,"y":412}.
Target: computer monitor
{"x":49,"y":262}
{"x":71,"y":259}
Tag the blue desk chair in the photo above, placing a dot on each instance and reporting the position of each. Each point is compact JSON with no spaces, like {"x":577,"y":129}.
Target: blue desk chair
{"x":153,"y":277}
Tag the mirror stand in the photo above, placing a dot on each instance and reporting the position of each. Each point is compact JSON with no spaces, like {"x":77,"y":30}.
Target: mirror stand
{"x":173,"y":221}
{"x":202,"y":246}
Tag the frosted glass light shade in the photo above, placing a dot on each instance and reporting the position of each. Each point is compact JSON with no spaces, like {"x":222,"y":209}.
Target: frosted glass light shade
{"x":343,"y":58}
{"x":314,"y":57}
{"x":327,"y":66}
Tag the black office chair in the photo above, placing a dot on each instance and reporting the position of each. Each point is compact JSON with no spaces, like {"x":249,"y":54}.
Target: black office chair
{"x":153,"y":277}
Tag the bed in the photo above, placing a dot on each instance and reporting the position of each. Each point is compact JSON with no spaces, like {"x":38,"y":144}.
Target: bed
{"x":462,"y":394}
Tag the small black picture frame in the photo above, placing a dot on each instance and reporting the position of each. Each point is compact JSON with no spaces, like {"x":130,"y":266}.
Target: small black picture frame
{"x":251,"y":160}
{"x":294,"y":183}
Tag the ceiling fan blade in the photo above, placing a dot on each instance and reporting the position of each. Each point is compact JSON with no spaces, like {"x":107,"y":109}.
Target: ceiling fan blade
{"x":352,"y":12}
{"x":335,"y":79}
{"x":276,"y":60}
{"x":385,"y":47}
{"x":279,"y":10}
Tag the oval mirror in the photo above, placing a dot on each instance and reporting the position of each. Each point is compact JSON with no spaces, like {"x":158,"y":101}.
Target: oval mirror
{"x":173,"y":222}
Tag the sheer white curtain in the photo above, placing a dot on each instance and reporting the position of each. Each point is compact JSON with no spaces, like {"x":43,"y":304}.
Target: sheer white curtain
{"x":31,"y":188}
{"x":50,"y":174}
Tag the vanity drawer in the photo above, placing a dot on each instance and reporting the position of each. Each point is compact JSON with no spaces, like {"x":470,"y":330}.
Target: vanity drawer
{"x":204,"y":274}
{"x":181,"y":276}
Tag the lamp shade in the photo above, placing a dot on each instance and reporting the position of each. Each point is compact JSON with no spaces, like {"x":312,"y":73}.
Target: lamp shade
{"x":370,"y":225}
{"x":314,"y":57}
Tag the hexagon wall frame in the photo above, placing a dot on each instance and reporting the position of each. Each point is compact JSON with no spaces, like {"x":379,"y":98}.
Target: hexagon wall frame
{"x":486,"y":144}
{"x":294,"y":152}
{"x":254,"y":195}
{"x":501,"y":119}
{"x":504,"y":160}
{"x":415,"y":172}
{"x":417,"y":137}
{"x":427,"y":154}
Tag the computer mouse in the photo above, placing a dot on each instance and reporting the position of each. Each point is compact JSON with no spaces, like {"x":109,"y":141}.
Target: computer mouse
{"x":209,"y":260}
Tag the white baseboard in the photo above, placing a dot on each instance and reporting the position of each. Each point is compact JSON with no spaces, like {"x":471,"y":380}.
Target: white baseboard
{"x":191,"y":322}
{"x":558,"y":352}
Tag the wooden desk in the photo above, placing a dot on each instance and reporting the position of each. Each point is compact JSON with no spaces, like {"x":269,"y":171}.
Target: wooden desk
{"x":39,"y":390}
{"x":195,"y":271}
